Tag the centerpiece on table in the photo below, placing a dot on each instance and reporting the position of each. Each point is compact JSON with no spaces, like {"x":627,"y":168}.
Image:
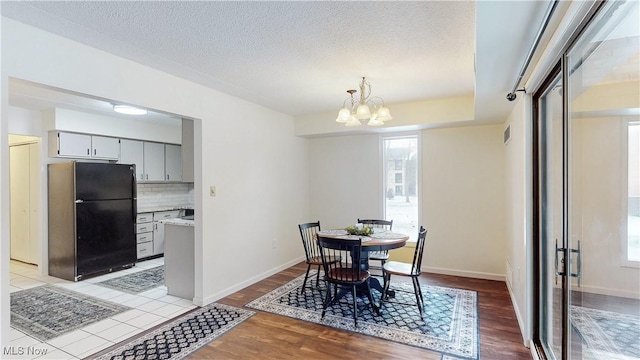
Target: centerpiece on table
{"x":359,"y":229}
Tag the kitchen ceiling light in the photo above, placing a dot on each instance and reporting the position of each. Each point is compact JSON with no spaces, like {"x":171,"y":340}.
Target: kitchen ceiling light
{"x":369,"y":107}
{"x":129,"y":110}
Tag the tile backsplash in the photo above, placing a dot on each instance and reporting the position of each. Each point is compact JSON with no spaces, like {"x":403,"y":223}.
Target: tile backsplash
{"x":165,"y":195}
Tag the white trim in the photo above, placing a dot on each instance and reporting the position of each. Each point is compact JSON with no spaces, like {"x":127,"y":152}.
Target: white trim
{"x":464,"y":273}
{"x":534,"y":353}
{"x":237,"y":287}
{"x":521,"y":322}
{"x":611,"y":292}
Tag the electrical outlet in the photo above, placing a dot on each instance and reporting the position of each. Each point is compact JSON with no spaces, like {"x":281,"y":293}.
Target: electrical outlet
{"x":212,"y":191}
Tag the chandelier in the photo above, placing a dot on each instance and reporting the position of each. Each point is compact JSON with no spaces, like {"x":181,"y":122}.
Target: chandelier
{"x":369,"y":108}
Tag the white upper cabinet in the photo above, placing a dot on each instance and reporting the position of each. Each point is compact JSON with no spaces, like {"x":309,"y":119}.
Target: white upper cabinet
{"x":173,"y":162}
{"x":103,"y":147}
{"x":73,"y":145}
{"x":132,"y":152}
{"x":83,"y":146}
{"x":153,"y":161}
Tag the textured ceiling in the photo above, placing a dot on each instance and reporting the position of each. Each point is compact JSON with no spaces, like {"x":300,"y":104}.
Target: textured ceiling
{"x":300,"y":57}
{"x":295,"y":57}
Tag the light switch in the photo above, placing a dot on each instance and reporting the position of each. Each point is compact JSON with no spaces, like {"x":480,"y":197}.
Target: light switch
{"x":212,"y":191}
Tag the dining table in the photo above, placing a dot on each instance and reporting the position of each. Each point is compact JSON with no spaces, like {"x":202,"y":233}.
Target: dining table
{"x":379,"y":240}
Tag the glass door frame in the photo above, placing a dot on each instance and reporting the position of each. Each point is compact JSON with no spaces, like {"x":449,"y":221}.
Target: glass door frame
{"x":559,"y":68}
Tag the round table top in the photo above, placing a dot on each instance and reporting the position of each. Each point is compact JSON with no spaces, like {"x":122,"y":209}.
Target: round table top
{"x":384,"y":239}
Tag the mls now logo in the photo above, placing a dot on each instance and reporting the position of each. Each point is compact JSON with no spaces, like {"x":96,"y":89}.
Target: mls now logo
{"x":23,"y":350}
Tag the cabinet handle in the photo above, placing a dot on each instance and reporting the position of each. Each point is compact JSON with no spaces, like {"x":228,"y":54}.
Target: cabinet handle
{"x":94,"y":152}
{"x":147,"y":177}
{"x":88,"y":152}
{"x":167,"y":176}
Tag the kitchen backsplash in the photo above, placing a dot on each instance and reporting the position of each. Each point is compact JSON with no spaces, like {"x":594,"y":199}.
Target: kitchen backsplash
{"x":165,"y":195}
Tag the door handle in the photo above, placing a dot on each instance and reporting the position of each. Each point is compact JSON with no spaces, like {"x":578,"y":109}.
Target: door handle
{"x":560,"y":252}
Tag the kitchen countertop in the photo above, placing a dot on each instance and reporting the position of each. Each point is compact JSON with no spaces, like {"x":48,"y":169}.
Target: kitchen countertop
{"x":178,"y":222}
{"x":147,"y":209}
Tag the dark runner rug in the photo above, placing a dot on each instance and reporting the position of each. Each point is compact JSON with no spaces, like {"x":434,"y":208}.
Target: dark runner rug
{"x":137,"y":282}
{"x":179,"y":337}
{"x":450,"y":325}
{"x":607,"y":335}
{"x":48,"y":311}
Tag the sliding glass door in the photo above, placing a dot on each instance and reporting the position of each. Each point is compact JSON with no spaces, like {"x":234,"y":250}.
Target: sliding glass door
{"x":589,"y":187}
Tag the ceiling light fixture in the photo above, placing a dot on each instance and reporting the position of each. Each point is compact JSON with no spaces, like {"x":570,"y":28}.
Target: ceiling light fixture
{"x":129,"y":110}
{"x":369,"y":107}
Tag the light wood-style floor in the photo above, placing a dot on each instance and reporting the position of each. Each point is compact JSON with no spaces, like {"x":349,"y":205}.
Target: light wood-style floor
{"x":269,"y":336}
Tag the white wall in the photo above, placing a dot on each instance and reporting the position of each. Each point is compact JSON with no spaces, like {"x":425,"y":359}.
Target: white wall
{"x":463,"y":201}
{"x":599,"y":206}
{"x":518,"y":211}
{"x":462,"y":186}
{"x":249,"y":152}
{"x":345,"y":180}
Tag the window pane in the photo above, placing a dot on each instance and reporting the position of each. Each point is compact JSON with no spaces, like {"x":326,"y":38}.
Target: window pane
{"x":401,"y":183}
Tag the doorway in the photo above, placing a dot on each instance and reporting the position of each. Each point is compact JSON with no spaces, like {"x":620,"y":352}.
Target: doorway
{"x":588,"y":176}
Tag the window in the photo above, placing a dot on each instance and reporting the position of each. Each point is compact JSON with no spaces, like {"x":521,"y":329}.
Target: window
{"x":400,"y":179}
{"x":633,"y":166}
{"x":398,"y":164}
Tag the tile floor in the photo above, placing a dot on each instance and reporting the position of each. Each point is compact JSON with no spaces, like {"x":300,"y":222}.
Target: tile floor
{"x":149,"y":309}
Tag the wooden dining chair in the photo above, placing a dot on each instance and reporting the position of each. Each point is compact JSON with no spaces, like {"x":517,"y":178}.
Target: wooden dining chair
{"x":409,"y":270}
{"x":381,"y":256}
{"x":346,"y":273}
{"x":308,"y":232}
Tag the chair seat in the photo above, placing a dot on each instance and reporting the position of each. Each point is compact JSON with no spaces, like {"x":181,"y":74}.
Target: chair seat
{"x":378,"y":256}
{"x":399,"y":268}
{"x":318,"y":260}
{"x":347,"y":275}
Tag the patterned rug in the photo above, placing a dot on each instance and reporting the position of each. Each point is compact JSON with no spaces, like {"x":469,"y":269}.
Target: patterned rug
{"x":607,"y":335}
{"x":180,"y":337}
{"x":48,"y":311}
{"x":137,"y":282}
{"x":450,"y":325}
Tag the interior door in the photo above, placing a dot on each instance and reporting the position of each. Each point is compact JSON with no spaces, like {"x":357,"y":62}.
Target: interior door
{"x":20,"y":202}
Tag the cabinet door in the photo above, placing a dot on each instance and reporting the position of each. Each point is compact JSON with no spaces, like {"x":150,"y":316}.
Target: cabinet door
{"x":158,"y":238}
{"x":105,"y":147}
{"x":74,"y":145}
{"x":173,"y":162}
{"x":132,"y":152}
{"x":19,"y":185}
{"x":153,"y":161}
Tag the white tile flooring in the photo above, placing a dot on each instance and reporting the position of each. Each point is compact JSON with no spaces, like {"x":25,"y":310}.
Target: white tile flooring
{"x":149,"y":309}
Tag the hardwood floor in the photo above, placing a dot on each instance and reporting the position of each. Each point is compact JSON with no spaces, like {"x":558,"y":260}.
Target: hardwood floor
{"x":269,"y":336}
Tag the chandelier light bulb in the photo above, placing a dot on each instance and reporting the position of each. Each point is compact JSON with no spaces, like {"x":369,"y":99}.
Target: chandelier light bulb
{"x":353,"y":122}
{"x":384,"y":114}
{"x":363,"y":112}
{"x":344,"y":115}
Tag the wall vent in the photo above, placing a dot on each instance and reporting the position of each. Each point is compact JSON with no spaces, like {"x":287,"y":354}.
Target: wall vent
{"x":507,"y":134}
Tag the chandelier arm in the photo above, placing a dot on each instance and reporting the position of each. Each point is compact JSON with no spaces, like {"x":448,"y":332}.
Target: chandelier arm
{"x":364,"y":95}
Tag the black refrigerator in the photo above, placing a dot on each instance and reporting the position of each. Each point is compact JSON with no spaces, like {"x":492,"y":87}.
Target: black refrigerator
{"x":92,"y":214}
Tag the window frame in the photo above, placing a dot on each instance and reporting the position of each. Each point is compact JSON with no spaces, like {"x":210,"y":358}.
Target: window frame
{"x":624,"y":239}
{"x":381,"y":141}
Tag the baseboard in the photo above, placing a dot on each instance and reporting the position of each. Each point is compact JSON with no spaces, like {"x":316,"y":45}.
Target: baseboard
{"x":237,"y":287}
{"x":521,"y":322}
{"x":469,"y":274}
{"x":609,"y":292}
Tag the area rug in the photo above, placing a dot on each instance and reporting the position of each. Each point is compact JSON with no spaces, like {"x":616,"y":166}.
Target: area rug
{"x":607,"y":335}
{"x":137,"y":282}
{"x":48,"y":311}
{"x":181,"y":336}
{"x":450,"y":325}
